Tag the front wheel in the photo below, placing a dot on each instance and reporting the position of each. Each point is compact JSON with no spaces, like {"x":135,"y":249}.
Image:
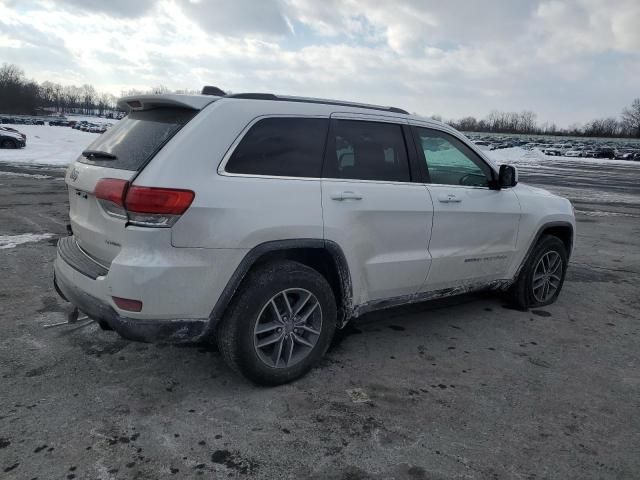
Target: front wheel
{"x":542,"y":276}
{"x":280,"y":323}
{"x":8,"y":144}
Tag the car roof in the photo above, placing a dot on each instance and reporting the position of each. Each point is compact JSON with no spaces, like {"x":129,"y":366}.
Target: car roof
{"x":323,"y":101}
{"x":198,"y":102}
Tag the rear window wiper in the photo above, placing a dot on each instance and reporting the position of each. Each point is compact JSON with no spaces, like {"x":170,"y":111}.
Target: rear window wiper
{"x":99,"y":154}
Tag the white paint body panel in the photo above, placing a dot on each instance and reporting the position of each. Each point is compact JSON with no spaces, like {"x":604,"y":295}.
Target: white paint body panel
{"x":474,"y":238}
{"x":96,"y":232}
{"x":384,"y":236}
{"x":243,"y":212}
{"x":539,"y":208}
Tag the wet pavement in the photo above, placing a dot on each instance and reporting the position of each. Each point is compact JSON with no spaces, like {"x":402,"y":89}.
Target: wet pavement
{"x":461,"y":388}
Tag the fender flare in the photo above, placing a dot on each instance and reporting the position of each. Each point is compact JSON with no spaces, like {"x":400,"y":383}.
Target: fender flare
{"x":253,"y":256}
{"x":536,"y":238}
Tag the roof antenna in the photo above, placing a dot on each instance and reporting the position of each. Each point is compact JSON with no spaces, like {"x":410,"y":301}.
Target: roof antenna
{"x":211,"y":90}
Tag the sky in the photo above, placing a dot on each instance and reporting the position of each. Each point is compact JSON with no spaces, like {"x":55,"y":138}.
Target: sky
{"x":569,"y":61}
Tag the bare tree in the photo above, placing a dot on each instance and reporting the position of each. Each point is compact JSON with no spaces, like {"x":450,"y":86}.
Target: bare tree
{"x":159,"y":90}
{"x":10,"y":74}
{"x":631,"y":118}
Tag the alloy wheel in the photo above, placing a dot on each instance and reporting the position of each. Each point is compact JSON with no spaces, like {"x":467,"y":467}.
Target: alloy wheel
{"x":547,"y":276}
{"x":288,"y":328}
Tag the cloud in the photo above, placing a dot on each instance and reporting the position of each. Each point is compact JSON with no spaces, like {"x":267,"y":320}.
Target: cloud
{"x":579,"y":27}
{"x":568,"y":60}
{"x":22,"y":43}
{"x":116,"y":8}
{"x":239,"y":17}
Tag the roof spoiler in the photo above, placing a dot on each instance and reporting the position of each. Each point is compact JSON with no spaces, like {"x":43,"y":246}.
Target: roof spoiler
{"x":147,"y":102}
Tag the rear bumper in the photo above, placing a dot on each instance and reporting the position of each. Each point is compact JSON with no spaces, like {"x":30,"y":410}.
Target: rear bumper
{"x":142,"y":330}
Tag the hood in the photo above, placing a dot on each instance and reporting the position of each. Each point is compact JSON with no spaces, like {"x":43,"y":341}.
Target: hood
{"x":537,"y":190}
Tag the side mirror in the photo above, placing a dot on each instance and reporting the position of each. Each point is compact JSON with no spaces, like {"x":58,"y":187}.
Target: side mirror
{"x":508,"y":176}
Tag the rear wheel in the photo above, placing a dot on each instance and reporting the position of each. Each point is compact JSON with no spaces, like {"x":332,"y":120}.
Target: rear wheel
{"x":8,"y":144}
{"x":542,"y":276}
{"x":279,"y":324}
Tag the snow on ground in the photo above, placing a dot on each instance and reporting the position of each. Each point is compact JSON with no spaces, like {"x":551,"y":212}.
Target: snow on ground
{"x":17,"y":174}
{"x":519,"y":156}
{"x":48,"y":145}
{"x":88,"y":118}
{"x":597,"y":180}
{"x":11,"y":241}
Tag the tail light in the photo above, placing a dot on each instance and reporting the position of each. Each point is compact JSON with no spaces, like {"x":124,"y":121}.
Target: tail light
{"x":143,"y":206}
{"x":110,"y":193}
{"x":156,"y":207}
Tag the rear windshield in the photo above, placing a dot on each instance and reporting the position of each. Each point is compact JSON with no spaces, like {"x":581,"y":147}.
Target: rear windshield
{"x":135,"y":139}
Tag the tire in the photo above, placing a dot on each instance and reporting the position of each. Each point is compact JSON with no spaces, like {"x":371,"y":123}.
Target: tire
{"x":260,"y":305}
{"x":8,"y":144}
{"x":522,"y":294}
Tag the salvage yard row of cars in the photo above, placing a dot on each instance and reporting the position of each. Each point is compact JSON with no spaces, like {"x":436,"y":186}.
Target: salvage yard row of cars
{"x":12,"y":138}
{"x":578,"y":147}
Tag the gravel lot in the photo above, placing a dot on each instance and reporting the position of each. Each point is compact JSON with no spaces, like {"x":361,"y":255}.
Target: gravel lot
{"x":463,"y":388}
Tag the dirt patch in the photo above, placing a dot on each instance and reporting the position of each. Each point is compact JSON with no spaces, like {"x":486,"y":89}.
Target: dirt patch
{"x":585,"y":274}
{"x":234,"y":461}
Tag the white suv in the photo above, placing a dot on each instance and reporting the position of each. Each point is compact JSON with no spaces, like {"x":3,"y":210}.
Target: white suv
{"x":266,"y":222}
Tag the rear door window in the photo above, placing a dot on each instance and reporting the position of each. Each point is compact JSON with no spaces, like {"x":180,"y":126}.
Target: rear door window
{"x":283,"y":147}
{"x":363,"y":150}
{"x":135,"y":139}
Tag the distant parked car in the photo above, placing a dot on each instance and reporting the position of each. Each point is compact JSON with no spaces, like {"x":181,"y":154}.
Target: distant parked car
{"x":573,"y":153}
{"x":13,"y":130}
{"x":605,"y":152}
{"x":557,"y":149}
{"x":628,"y":156}
{"x":10,"y":138}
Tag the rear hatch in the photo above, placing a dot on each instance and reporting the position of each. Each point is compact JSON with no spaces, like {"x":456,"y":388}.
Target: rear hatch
{"x":100,"y":180}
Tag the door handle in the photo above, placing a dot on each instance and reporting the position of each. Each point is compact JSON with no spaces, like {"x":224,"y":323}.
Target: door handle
{"x":347,"y":195}
{"x":449,"y":198}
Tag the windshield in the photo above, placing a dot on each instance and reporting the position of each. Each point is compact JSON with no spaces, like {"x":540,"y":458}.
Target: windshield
{"x":135,"y":139}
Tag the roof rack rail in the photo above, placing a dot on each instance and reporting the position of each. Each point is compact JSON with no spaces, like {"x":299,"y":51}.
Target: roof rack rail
{"x":271,"y":96}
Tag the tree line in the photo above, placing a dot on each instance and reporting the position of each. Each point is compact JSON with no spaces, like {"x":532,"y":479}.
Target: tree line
{"x":19,"y":95}
{"x":627,"y":125}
